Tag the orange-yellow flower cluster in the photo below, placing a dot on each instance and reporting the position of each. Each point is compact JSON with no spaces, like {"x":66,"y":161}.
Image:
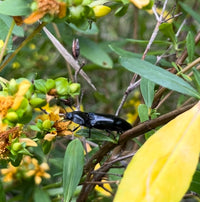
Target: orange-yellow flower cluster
{"x":52,"y":7}
{"x":28,"y":168}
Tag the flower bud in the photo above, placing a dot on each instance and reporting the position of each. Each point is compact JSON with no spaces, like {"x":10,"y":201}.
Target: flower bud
{"x":101,"y":10}
{"x":37,"y":102}
{"x":12,"y":87}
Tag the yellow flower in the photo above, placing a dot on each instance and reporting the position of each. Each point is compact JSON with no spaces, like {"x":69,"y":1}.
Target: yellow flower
{"x":9,"y":174}
{"x":15,"y":65}
{"x":140,"y":3}
{"x":29,"y":167}
{"x":52,"y":7}
{"x":38,"y":171}
{"x":166,"y":14}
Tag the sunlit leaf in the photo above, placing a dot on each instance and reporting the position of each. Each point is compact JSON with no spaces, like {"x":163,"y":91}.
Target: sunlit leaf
{"x":163,"y":167}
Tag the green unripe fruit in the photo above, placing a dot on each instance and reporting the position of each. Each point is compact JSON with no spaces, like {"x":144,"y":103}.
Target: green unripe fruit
{"x":12,"y":117}
{"x":46,"y":124}
{"x":75,"y":88}
{"x":50,"y":83}
{"x":38,"y":102}
{"x":16,"y":146}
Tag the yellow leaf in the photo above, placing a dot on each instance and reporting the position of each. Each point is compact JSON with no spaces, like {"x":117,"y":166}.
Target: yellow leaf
{"x":163,"y":167}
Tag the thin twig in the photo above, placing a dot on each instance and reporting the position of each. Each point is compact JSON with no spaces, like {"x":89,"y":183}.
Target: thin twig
{"x":131,"y":86}
{"x":68,"y":57}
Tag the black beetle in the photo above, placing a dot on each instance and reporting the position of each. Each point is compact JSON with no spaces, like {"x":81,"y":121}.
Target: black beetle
{"x":106,"y":122}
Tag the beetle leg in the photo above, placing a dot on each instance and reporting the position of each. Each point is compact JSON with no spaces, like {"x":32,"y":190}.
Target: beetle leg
{"x":75,"y":128}
{"x":89,"y":132}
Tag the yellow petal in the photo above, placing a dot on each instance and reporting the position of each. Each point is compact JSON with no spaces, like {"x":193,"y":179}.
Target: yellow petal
{"x":34,"y":17}
{"x":23,"y":88}
{"x":101,"y":10}
{"x":103,"y":191}
{"x":140,"y":3}
{"x":49,"y":136}
{"x":163,"y":167}
{"x":28,"y":141}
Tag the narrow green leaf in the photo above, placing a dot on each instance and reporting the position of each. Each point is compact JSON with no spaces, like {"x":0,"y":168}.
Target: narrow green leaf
{"x":195,"y":184}
{"x":150,"y":58}
{"x":95,"y":53}
{"x":143,"y":112}
{"x":147,"y":90}
{"x":190,"y":44}
{"x":2,"y":193}
{"x":73,"y":168}
{"x":158,"y":75}
{"x":14,"y":8}
{"x":196,"y":78}
{"x":96,"y":135}
{"x":41,"y":196}
{"x":190,"y":11}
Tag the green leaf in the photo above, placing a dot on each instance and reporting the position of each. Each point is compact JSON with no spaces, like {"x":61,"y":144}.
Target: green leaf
{"x":143,"y":112}
{"x":96,"y":135}
{"x":151,"y":58}
{"x":93,"y":52}
{"x":147,"y":90}
{"x":167,"y":30}
{"x":190,"y":44}
{"x":7,"y":20}
{"x":73,"y":168}
{"x":40,"y":85}
{"x":196,"y":78}
{"x":158,"y":75}
{"x":121,"y":11}
{"x":195,"y":184}
{"x":14,"y":8}
{"x":40,"y":195}
{"x":190,"y":11}
{"x":2,"y":193}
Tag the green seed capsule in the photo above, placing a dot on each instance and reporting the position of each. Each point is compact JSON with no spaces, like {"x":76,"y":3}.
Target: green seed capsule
{"x":16,"y":146}
{"x":38,"y":102}
{"x":46,"y":124}
{"x":74,"y":88}
{"x":12,"y":117}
